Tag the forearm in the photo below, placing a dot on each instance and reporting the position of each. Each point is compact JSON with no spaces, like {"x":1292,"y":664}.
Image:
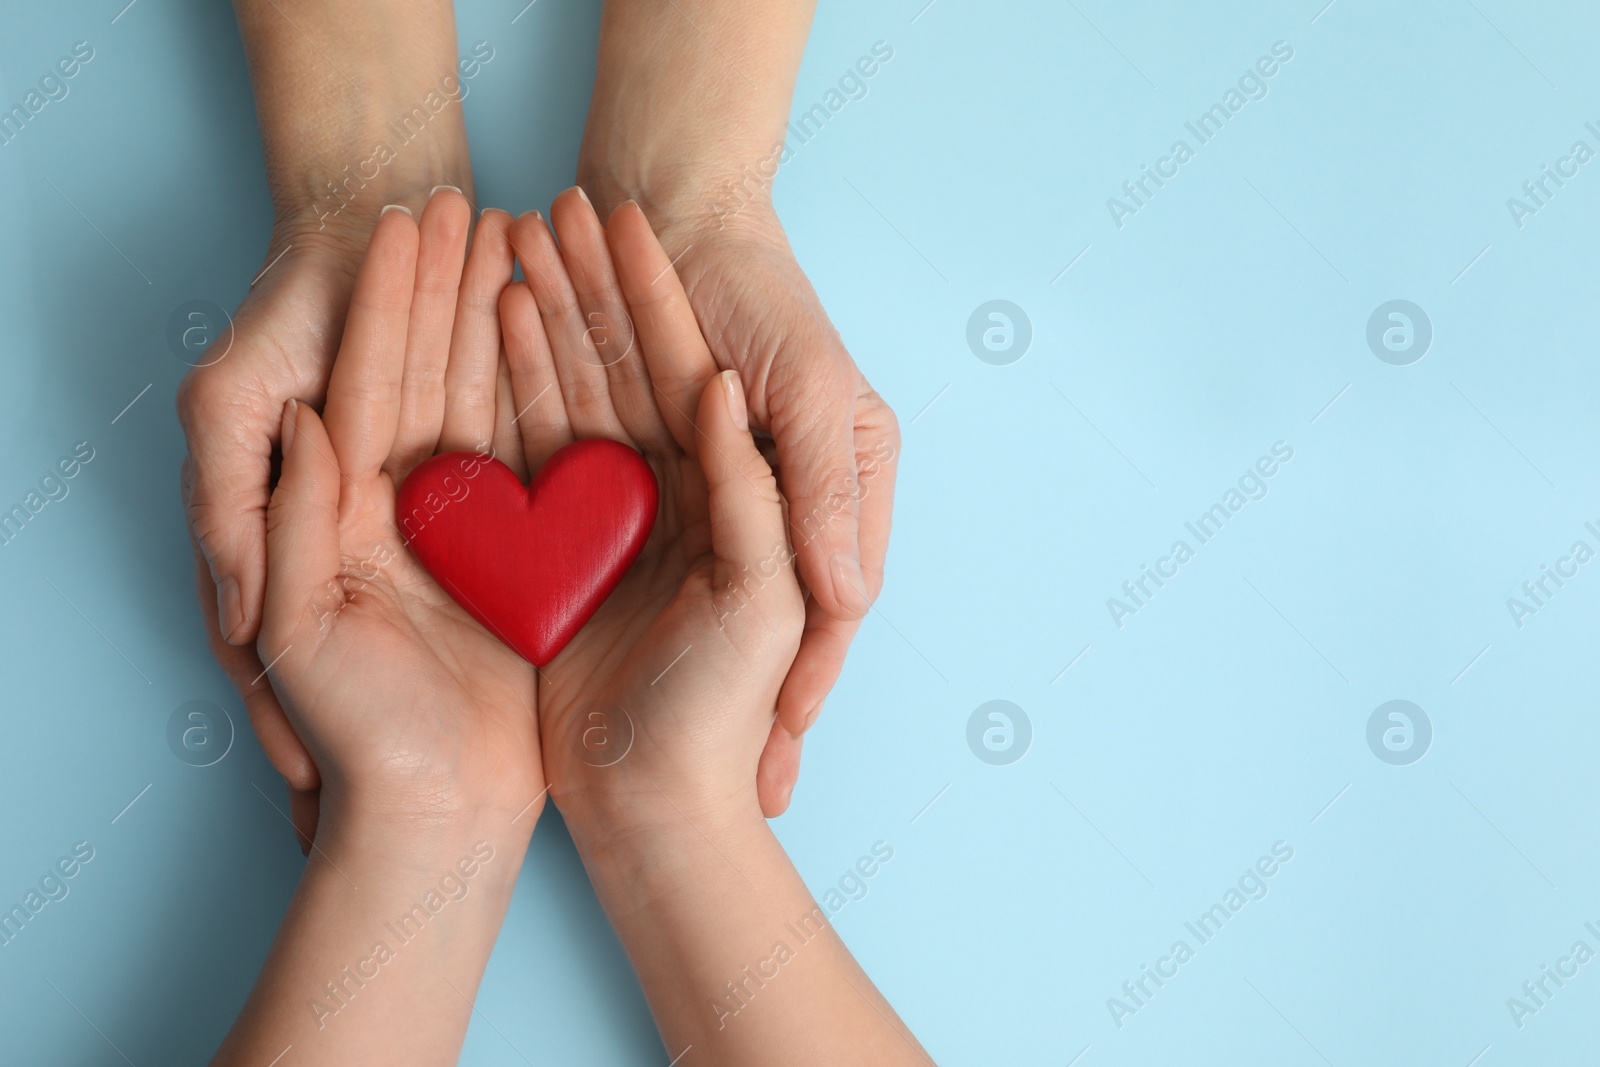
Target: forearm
{"x":359,"y":103}
{"x":688,"y":94}
{"x":381,"y":951}
{"x":736,"y":958}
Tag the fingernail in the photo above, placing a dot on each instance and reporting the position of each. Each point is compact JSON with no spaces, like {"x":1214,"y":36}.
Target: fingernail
{"x":733,"y":393}
{"x":230,"y":612}
{"x":452,"y":188}
{"x":394,"y":207}
{"x":787,"y":794}
{"x":583,"y":194}
{"x":849,"y":588}
{"x":287,"y":435}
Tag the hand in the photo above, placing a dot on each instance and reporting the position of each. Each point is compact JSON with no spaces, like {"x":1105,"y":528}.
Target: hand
{"x":281,"y":345}
{"x":654,"y":718}
{"x":688,"y":118}
{"x":406,"y":705}
{"x":422,"y":724}
{"x":837,"y":442}
{"x":319,"y":125}
{"x":664,"y":701}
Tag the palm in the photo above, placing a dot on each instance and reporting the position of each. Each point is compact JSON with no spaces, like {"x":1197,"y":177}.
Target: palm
{"x":635,"y":678}
{"x":426,"y":701}
{"x":633,"y":652}
{"x":417,"y":674}
{"x":679,"y":546}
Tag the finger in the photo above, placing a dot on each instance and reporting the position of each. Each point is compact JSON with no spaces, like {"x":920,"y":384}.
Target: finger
{"x":470,"y":380}
{"x":441,"y":246}
{"x":746,"y":511}
{"x":364,"y":390}
{"x":816,"y":667}
{"x":507,"y":441}
{"x":778,"y":771}
{"x":225,"y":494}
{"x":610,"y":335}
{"x":240,"y":663}
{"x":814,"y":427}
{"x":585,"y":390}
{"x":826,"y":640}
{"x":302,"y":535}
{"x":304,"y":807}
{"x":675,"y":351}
{"x":877,"y":438}
{"x":541,"y":417}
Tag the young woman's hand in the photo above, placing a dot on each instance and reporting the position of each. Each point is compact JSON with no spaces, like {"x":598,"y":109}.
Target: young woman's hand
{"x":656,"y":717}
{"x":421,"y":724}
{"x":666,"y":699}
{"x":406,"y":705}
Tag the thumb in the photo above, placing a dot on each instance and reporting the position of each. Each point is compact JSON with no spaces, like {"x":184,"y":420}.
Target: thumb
{"x":302,"y":528}
{"x":225,"y":494}
{"x":747,"y":530}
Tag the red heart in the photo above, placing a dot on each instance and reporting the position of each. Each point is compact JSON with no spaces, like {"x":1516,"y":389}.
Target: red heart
{"x":531,"y":563}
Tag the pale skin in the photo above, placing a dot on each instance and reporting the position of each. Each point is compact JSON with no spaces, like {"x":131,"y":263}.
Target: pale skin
{"x":426,"y":729}
{"x":286,"y":333}
{"x":688,"y":659}
{"x":690,"y":100}
{"x":689,"y":96}
{"x":422,"y":725}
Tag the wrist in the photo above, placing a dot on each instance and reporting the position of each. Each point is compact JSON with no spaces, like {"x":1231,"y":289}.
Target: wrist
{"x":336,"y":196}
{"x":388,"y":836}
{"x":383,"y":124}
{"x":690,"y":99}
{"x":639,"y":854}
{"x":686,"y":198}
{"x":641,"y":826}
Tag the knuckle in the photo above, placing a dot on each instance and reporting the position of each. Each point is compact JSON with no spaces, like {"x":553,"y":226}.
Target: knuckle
{"x":190,"y":398}
{"x":889,"y":422}
{"x":827,"y":511}
{"x":216,"y":397}
{"x":207,"y":525}
{"x":222,"y":525}
{"x":764,"y":598}
{"x":878,"y":422}
{"x":757,"y":474}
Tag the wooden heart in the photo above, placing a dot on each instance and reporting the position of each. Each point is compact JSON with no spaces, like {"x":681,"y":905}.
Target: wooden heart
{"x":532,"y":563}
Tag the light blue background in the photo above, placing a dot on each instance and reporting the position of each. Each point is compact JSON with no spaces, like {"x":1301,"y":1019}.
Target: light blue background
{"x":1223,"y":717}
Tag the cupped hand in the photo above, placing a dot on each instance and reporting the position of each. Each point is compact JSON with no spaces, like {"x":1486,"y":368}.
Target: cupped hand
{"x":280,"y":346}
{"x":666,"y":698}
{"x":837,"y":442}
{"x":403,"y":702}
